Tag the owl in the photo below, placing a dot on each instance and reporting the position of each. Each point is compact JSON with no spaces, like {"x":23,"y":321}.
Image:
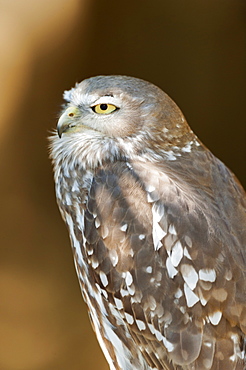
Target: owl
{"x":157,"y":226}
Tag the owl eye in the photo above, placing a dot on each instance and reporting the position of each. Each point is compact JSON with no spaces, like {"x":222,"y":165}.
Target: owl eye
{"x":104,"y":108}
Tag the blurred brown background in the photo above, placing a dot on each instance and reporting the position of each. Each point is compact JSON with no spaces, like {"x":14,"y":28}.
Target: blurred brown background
{"x":195,"y":50}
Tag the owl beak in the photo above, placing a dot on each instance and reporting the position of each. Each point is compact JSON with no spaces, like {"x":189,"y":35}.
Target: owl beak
{"x":67,"y":120}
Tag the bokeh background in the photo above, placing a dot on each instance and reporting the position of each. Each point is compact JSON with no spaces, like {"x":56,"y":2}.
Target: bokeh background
{"x":194,"y":49}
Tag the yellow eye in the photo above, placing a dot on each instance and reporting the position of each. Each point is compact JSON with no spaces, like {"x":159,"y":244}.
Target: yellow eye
{"x":104,"y":108}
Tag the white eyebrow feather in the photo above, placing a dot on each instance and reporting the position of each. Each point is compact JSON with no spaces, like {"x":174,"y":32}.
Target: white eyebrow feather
{"x":107,"y":100}
{"x":67,"y":95}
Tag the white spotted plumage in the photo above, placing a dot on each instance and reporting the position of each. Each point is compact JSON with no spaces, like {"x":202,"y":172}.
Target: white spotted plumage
{"x":157,"y":226}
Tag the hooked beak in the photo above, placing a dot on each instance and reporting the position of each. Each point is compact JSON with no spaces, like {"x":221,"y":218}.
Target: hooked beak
{"x":67,"y":120}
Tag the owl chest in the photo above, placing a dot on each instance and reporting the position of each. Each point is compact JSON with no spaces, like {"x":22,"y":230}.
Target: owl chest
{"x":92,"y":263}
{"x":72,"y":187}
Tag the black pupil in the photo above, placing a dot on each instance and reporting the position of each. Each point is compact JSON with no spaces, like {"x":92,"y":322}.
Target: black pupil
{"x":103,"y":106}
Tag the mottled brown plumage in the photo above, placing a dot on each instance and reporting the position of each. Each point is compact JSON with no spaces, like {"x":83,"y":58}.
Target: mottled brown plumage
{"x":157,"y":226}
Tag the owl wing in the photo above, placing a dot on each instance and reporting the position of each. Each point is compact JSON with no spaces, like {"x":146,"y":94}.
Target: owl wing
{"x":165,"y":259}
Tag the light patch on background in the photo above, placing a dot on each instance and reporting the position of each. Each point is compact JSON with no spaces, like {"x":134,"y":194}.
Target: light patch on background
{"x":28,"y":29}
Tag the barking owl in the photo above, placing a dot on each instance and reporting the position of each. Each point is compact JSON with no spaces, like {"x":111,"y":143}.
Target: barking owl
{"x":158,"y":229}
